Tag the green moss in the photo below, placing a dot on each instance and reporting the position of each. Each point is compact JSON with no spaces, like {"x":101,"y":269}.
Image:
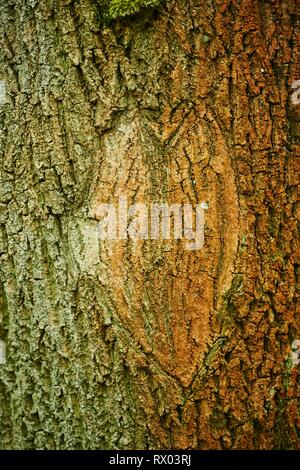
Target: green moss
{"x":112,"y":9}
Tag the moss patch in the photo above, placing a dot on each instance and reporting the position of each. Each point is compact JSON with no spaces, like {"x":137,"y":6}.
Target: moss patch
{"x":112,"y":9}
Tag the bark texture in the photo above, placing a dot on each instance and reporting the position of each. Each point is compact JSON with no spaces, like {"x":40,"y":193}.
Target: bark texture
{"x":136,"y":345}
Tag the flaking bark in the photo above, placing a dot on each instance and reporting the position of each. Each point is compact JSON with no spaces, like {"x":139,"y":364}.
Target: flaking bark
{"x":135,"y":345}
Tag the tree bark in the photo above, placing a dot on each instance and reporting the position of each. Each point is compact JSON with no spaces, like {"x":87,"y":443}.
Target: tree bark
{"x":144,"y":344}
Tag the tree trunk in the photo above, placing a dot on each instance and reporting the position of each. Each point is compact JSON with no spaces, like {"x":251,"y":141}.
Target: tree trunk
{"x":142,"y":344}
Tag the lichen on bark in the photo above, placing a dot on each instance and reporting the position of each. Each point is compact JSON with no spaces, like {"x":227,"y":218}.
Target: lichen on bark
{"x":113,"y":9}
{"x":145,"y":345}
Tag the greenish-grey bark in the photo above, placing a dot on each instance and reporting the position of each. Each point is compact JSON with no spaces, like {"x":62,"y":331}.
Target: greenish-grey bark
{"x":135,"y":345}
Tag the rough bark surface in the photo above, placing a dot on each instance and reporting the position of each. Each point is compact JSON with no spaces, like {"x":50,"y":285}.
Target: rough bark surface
{"x":135,"y":345}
